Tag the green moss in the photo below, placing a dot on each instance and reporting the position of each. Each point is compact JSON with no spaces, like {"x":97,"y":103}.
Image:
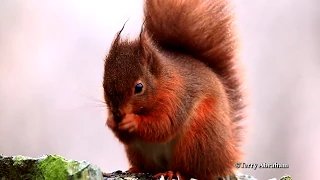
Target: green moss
{"x":49,"y":167}
{"x":286,"y":178}
{"x":17,"y":160}
{"x":74,"y":167}
{"x":78,"y":170}
{"x":16,"y":168}
{"x":52,"y":167}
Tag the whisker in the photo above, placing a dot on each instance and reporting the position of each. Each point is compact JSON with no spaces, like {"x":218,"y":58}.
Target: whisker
{"x":97,"y":102}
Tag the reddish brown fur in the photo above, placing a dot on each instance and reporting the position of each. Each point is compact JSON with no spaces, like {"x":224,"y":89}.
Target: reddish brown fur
{"x":186,"y":118}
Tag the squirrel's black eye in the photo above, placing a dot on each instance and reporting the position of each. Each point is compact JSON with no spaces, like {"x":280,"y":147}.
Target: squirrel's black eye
{"x":138,"y":88}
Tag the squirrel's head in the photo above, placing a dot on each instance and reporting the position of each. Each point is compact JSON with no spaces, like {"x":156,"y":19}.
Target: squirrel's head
{"x":130,"y":74}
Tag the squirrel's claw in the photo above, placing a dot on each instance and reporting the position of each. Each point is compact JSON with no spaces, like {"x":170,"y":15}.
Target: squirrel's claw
{"x":169,"y":175}
{"x":128,"y":123}
{"x":134,"y":169}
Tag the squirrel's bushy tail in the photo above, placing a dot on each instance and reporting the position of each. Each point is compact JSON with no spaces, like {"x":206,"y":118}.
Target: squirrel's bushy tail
{"x":204,"y":30}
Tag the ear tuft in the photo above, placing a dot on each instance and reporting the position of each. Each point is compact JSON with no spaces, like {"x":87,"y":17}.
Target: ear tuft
{"x":117,"y":39}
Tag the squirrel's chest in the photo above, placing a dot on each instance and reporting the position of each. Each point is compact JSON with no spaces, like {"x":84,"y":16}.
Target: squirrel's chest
{"x":157,"y":153}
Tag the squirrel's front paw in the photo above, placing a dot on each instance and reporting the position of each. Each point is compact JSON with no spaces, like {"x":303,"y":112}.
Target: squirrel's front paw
{"x":111,"y":123}
{"x":129,"y":123}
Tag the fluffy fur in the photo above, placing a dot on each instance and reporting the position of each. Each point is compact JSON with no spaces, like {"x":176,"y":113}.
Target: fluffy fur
{"x":185,"y":121}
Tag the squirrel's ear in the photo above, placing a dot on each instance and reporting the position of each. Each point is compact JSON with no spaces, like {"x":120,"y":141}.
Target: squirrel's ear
{"x":149,"y":56}
{"x":144,"y":49}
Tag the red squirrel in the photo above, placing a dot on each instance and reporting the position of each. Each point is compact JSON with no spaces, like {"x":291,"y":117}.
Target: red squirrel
{"x":174,"y":94}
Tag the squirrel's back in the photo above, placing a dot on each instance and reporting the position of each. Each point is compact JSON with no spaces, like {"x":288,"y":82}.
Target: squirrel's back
{"x":204,"y":30}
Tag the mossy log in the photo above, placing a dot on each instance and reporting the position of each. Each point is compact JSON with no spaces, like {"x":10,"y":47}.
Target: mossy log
{"x":55,"y":167}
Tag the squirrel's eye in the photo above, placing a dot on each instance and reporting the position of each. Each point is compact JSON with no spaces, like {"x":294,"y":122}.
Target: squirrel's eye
{"x":138,"y":88}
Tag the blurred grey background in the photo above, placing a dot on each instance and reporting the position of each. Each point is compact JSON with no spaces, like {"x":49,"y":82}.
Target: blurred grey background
{"x":51,"y":67}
